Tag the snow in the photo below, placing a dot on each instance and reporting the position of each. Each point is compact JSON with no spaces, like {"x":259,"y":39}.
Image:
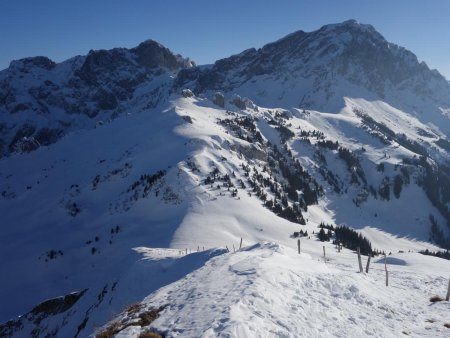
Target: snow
{"x":269,"y":290}
{"x":234,"y":294}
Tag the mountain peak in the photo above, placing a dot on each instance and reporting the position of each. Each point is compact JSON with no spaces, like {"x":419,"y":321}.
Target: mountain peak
{"x":350,"y":24}
{"x":34,"y":61}
{"x":337,"y":58}
{"x":151,"y":53}
{"x":351,"y":31}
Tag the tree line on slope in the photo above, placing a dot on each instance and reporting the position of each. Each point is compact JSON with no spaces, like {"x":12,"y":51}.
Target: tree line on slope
{"x":347,"y":237}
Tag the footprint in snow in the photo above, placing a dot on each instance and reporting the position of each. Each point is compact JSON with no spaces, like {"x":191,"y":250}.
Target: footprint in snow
{"x":243,"y":268}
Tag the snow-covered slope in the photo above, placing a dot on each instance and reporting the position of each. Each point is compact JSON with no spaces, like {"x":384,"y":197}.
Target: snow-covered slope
{"x":76,"y":209}
{"x":185,"y":173}
{"x":267,"y":290}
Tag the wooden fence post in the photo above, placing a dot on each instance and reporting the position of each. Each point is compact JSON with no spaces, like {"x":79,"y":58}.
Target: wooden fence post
{"x":359,"y":259}
{"x":447,"y":298}
{"x":368,"y":263}
{"x":387,"y":273}
{"x":324,"y":256}
{"x":298,"y":245}
{"x":240,"y":245}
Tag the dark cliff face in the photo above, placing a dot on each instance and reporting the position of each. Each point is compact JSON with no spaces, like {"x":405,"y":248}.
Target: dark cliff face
{"x":351,"y":51}
{"x":148,"y":56}
{"x":37,"y":61}
{"x":151,"y":54}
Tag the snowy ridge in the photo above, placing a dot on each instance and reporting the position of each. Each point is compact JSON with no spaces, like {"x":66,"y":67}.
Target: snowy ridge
{"x":269,"y":290}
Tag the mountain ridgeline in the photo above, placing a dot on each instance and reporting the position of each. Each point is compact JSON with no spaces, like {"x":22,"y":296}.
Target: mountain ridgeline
{"x":40,"y":100}
{"x":314,"y":70}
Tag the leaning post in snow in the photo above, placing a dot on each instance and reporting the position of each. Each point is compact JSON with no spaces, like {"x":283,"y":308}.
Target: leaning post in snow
{"x":368,"y":263}
{"x":359,"y":259}
{"x":324,"y":256}
{"x":298,"y":245}
{"x":447,"y":298}
{"x":387,"y":273}
{"x":240,"y":245}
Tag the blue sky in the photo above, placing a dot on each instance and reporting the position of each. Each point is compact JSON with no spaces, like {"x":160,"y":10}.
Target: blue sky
{"x":208,"y":30}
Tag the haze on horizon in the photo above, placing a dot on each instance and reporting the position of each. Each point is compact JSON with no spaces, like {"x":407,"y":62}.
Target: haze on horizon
{"x":206,"y":31}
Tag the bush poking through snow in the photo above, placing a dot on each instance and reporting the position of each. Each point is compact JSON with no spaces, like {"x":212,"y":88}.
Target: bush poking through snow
{"x":112,"y":329}
{"x":150,"y":334}
{"x":146,"y":317}
{"x":435,"y":299}
{"x":187,"y":93}
{"x":134,"y":308}
{"x":219,"y":99}
{"x":133,"y":317}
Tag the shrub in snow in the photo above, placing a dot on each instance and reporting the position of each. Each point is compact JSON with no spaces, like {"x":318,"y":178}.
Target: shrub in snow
{"x":133,"y":317}
{"x":150,"y":334}
{"x":238,"y":102}
{"x":398,"y":183}
{"x":72,"y":208}
{"x":26,"y":145}
{"x":434,"y":299}
{"x":187,"y":93}
{"x":188,"y":119}
{"x":219,"y":99}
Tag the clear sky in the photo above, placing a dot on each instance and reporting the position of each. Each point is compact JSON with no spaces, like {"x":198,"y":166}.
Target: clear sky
{"x":206,"y":30}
